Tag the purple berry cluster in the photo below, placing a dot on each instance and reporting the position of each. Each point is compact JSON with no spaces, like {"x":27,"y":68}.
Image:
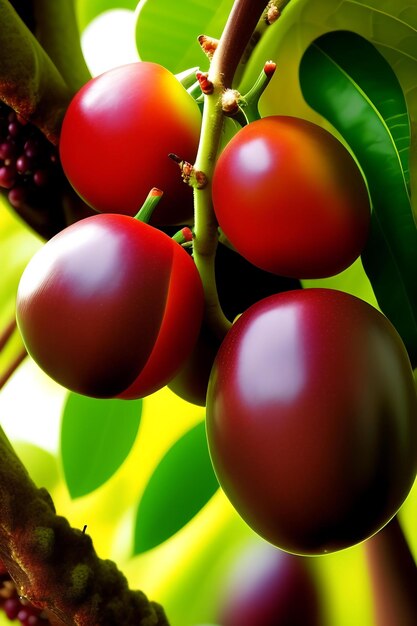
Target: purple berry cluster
{"x":30,"y":171}
{"x":16,"y":608}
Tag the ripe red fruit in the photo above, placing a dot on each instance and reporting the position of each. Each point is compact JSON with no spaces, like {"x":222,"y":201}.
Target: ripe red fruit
{"x":312,"y":420}
{"x":117,"y":134}
{"x":290,"y":198}
{"x":110,"y":307}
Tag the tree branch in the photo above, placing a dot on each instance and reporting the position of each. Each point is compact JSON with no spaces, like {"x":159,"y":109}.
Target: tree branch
{"x":55,"y":566}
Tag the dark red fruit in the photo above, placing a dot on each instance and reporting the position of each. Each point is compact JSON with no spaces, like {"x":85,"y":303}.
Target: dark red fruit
{"x":312,"y":420}
{"x":110,"y":307}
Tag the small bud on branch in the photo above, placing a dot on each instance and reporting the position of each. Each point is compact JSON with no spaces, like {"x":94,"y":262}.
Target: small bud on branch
{"x":269,"y":68}
{"x":272,"y":13}
{"x":250,"y":100}
{"x":274,"y":10}
{"x":206,"y":85}
{"x":230,"y":102}
{"x":190,"y":175}
{"x":208,"y":45}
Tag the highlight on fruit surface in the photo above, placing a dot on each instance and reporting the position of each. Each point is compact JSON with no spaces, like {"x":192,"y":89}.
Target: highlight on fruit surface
{"x":110,"y":307}
{"x":117,"y":134}
{"x":291,"y":199}
{"x":312,"y":420}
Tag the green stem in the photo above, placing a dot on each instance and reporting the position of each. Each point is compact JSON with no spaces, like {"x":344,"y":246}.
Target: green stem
{"x":205,"y":223}
{"x":239,"y":27}
{"x":250,"y":100}
{"x":151,"y":201}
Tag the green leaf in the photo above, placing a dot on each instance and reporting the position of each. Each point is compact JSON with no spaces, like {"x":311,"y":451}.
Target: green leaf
{"x":87,"y":10}
{"x":167,"y":32}
{"x":350,"y":83}
{"x":96,"y":437}
{"x":41,"y":464}
{"x":180,"y":486}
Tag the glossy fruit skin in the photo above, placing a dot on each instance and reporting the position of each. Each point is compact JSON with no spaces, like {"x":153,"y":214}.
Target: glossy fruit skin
{"x":239,"y":285}
{"x":110,"y":307}
{"x":312,"y":420}
{"x":290,"y":198}
{"x":117,"y":134}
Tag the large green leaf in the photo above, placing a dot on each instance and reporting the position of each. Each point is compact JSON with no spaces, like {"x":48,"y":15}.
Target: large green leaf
{"x":180,"y":486}
{"x":361,"y":96}
{"x":87,"y":10}
{"x":96,"y":437}
{"x":167,"y":32}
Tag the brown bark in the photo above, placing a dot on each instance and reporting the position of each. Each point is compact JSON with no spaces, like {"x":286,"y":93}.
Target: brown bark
{"x":55,"y":566}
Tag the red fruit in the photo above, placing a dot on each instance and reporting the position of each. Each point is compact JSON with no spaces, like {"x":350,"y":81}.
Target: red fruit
{"x":110,"y":307}
{"x":291,"y":199}
{"x":312,"y":420}
{"x":116,"y":137}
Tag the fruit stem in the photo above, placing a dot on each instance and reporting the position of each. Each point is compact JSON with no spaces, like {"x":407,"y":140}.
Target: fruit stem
{"x":183,"y":236}
{"x":145,"y":212}
{"x":250,"y":100}
{"x":238,"y":30}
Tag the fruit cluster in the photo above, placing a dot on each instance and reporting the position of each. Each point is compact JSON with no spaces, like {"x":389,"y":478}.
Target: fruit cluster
{"x":311,"y":403}
{"x":30,"y":171}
